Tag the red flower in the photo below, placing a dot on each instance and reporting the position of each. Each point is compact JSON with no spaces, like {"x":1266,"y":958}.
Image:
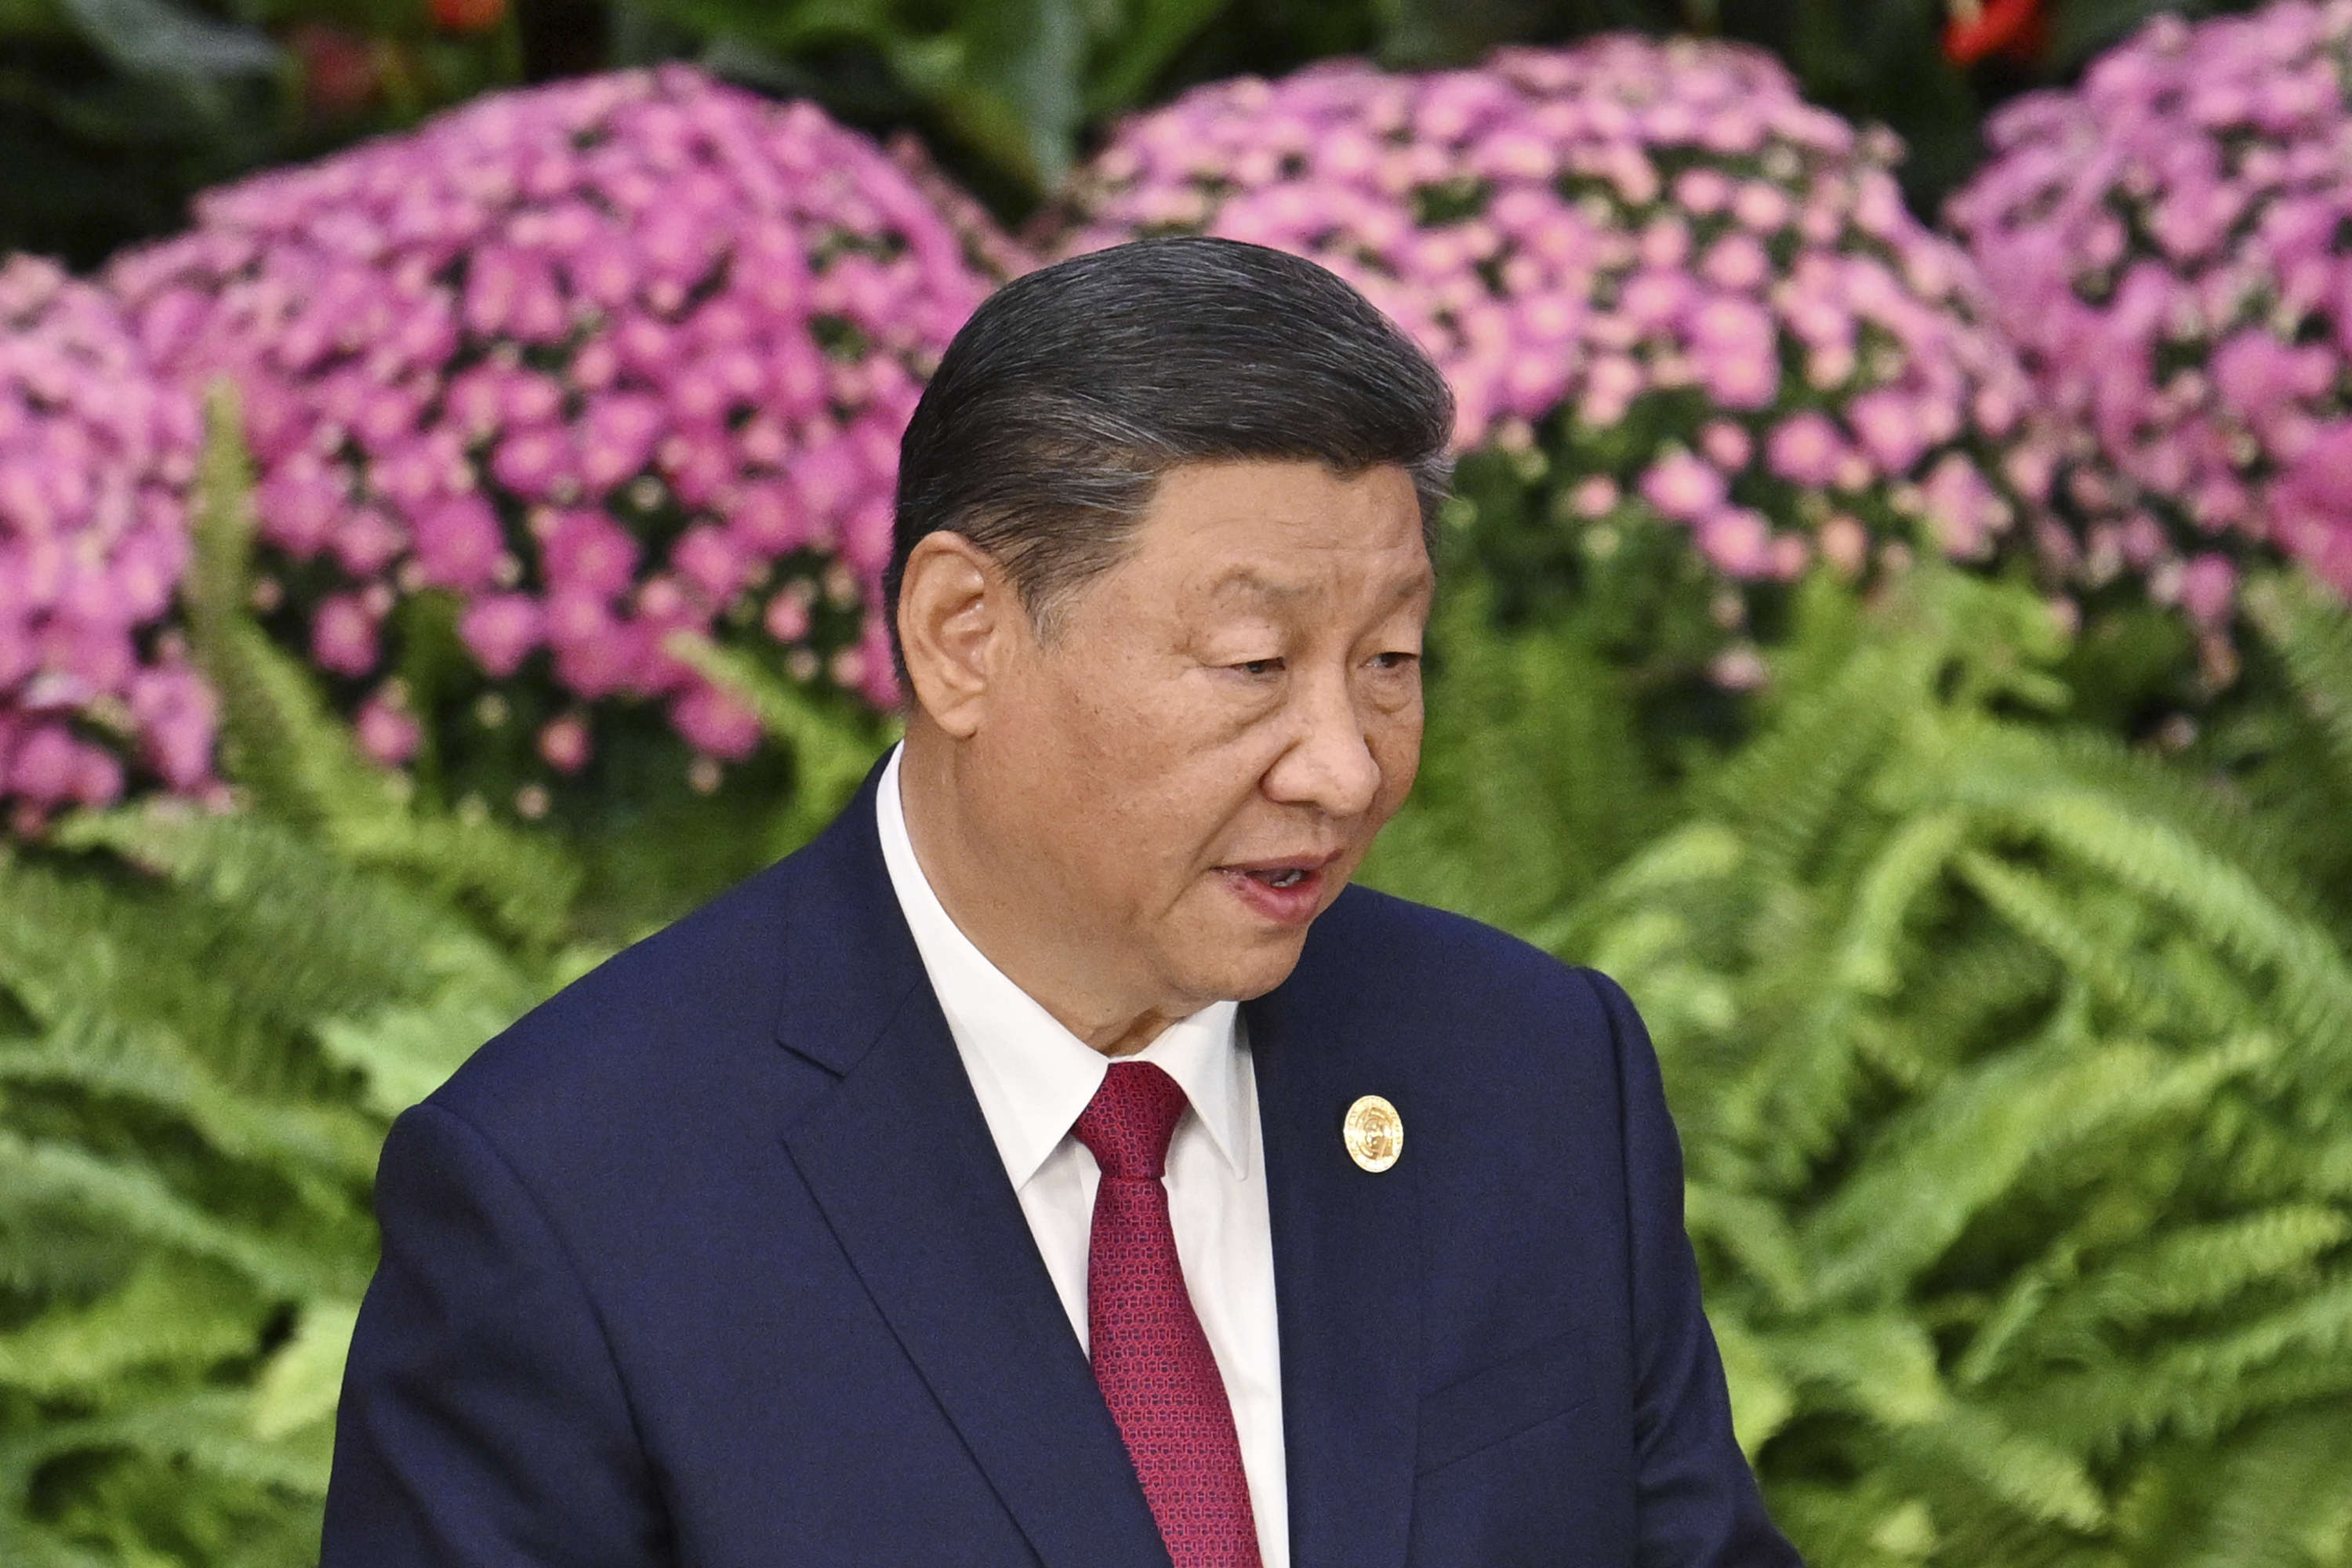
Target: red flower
{"x":467,"y":16}
{"x":1981,"y":28}
{"x":341,"y":72}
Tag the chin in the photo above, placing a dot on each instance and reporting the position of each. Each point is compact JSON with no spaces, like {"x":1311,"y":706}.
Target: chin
{"x":1251,"y":969}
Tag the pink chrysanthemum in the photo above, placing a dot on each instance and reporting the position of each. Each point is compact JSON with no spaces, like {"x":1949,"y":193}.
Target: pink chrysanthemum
{"x":594,"y":363}
{"x":1654,"y":259}
{"x":2167,"y":246}
{"x":95,"y":458}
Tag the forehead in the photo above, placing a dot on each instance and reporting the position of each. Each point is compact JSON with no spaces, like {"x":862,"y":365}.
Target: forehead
{"x":1281,"y":533}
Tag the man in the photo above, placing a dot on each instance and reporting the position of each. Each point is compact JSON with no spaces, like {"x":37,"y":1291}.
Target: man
{"x":1056,"y":1164}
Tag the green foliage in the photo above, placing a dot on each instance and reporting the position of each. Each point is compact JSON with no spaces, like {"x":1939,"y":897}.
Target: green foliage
{"x":1016,"y":81}
{"x":208,"y":1020}
{"x":114,"y":112}
{"x":205,"y":1023}
{"x":2013,"y":1062}
{"x":2014,"y":1073}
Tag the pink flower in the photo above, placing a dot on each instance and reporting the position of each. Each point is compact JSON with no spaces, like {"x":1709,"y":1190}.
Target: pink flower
{"x":716,"y":723}
{"x":1737,"y":540}
{"x":342,"y":636}
{"x":96,"y":456}
{"x":2163,"y":243}
{"x":564,"y":743}
{"x":388,"y":733}
{"x":588,"y":552}
{"x":1735,"y":346}
{"x":50,"y":767}
{"x":177,"y":715}
{"x":1726,"y":445}
{"x":1595,"y":495}
{"x":2209,"y":589}
{"x":502,"y":630}
{"x":1888,"y":425}
{"x":1805,"y":449}
{"x":1683,"y":487}
{"x":1966,"y":511}
{"x":458,"y":543}
{"x":561,"y":343}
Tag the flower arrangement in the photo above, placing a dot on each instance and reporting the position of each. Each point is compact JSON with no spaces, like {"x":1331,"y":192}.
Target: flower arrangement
{"x":97,"y":455}
{"x":560,"y":377}
{"x":2165,"y":244}
{"x":1699,"y":299}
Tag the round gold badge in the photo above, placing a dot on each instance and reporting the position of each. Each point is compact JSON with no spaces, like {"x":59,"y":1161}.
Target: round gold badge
{"x":1373,"y":1133}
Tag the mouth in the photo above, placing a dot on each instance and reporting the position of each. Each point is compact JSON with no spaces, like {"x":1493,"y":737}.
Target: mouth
{"x":1286,"y":891}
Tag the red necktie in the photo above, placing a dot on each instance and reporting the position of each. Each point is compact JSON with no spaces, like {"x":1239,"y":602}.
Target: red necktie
{"x":1150,"y":1357}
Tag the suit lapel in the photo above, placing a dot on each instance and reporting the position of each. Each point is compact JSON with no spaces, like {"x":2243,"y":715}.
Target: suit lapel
{"x":1347,"y":1275}
{"x":898,"y":1156}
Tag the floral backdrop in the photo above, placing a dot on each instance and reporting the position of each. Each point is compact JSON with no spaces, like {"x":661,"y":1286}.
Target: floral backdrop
{"x":1894,"y":619}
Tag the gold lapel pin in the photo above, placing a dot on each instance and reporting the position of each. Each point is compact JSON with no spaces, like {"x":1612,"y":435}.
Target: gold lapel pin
{"x":1373,"y":1133}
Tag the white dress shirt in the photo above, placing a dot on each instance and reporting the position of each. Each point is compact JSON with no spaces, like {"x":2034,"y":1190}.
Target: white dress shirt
{"x":1032,"y":1077}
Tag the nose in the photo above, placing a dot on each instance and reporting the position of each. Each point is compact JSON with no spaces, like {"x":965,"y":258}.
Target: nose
{"x":1329,"y":763}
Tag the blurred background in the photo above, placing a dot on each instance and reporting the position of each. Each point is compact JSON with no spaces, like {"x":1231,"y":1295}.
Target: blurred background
{"x":1894,"y":619}
{"x":116,"y":111}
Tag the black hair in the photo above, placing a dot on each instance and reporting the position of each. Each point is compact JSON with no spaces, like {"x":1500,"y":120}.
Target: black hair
{"x":1057,"y":407}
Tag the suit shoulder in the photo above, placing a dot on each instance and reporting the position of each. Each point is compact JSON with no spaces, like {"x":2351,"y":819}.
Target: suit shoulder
{"x":1375,"y":929}
{"x":646,"y":1021}
{"x":1417,"y":956}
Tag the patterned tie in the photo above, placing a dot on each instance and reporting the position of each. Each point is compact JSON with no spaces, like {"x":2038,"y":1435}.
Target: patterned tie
{"x":1150,"y":1357}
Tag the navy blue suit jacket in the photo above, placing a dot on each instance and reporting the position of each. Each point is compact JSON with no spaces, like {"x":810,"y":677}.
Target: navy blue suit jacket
{"x":712,"y":1262}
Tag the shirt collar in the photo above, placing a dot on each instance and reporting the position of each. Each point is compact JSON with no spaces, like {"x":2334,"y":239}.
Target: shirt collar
{"x":1032,"y":1076}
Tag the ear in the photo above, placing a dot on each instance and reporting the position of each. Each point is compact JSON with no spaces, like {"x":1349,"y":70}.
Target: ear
{"x":956,"y":610}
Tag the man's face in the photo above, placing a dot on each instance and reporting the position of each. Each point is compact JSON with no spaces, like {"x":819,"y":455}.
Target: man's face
{"x":1195,"y":762}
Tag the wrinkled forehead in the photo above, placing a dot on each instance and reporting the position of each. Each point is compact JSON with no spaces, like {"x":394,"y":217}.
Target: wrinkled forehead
{"x":1277,"y":537}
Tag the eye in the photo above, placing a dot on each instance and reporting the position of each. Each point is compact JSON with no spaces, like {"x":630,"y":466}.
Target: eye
{"x":1395,"y":661}
{"x":1260,"y":666}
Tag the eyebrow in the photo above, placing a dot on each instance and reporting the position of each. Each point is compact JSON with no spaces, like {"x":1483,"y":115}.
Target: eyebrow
{"x":1250,"y":581}
{"x":1247,"y":580}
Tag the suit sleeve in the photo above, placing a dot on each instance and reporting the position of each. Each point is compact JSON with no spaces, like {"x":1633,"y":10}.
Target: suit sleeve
{"x":1698,"y":1500}
{"x":483,"y":1421}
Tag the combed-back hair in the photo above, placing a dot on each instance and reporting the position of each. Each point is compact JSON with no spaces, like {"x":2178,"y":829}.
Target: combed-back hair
{"x":1067,"y":394}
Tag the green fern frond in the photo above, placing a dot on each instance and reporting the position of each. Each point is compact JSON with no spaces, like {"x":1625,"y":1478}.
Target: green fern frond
{"x":2006,"y":1060}
{"x":300,"y":764}
{"x":2282,"y":1497}
{"x":1958,"y":1153}
{"x":1795,"y":783}
{"x":2136,"y":986}
{"x":96,"y":1055}
{"x":39,"y":1175}
{"x":24,"y":1544}
{"x":2313,"y":977}
{"x":208,"y":1430}
{"x":2191,"y":1269}
{"x":299,"y":1387}
{"x":2311,"y":629}
{"x":2014,"y":1466}
{"x":2199,"y":1384}
{"x":169,"y":1312}
{"x":1881,"y":1364}
{"x":832,"y":751}
{"x":405,"y":1052}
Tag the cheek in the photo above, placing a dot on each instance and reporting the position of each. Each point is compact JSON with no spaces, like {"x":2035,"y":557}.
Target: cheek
{"x":1142,"y":776}
{"x":1395,"y":743}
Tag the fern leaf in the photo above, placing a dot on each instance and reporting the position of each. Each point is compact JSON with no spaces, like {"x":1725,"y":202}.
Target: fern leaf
{"x":132,"y":1201}
{"x":1959,"y":1153}
{"x":831,"y":754}
{"x":2042,"y":1481}
{"x":2311,"y":629}
{"x":168,"y":1312}
{"x":300,"y":1384}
